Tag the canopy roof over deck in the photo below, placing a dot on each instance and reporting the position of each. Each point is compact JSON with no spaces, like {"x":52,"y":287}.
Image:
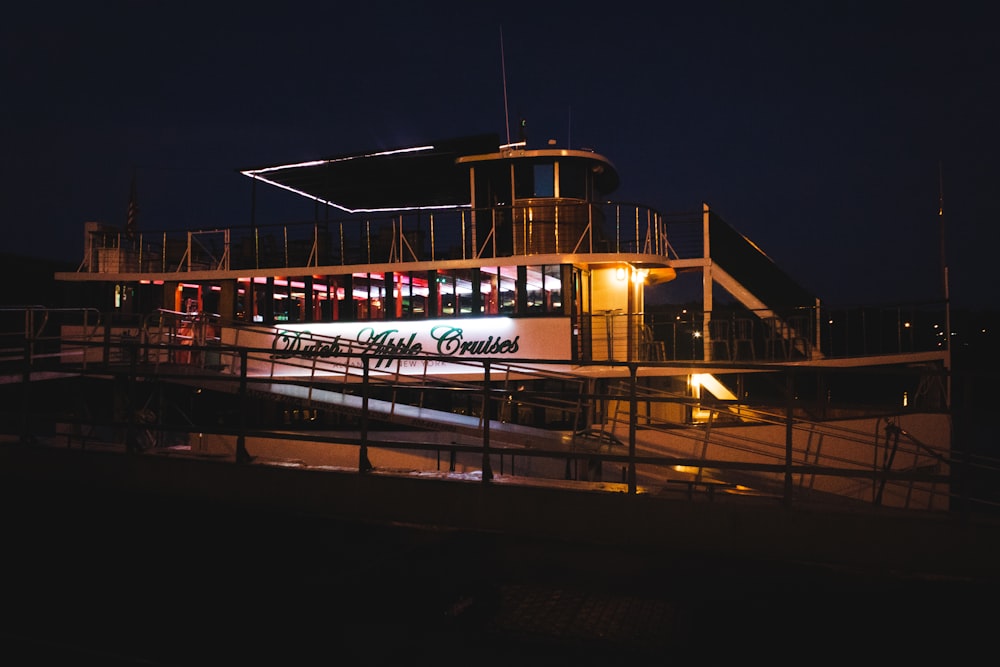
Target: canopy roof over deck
{"x":424,"y":176}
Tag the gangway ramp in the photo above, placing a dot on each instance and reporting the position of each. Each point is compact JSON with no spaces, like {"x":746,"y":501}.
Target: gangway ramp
{"x":393,"y":412}
{"x":421,"y":417}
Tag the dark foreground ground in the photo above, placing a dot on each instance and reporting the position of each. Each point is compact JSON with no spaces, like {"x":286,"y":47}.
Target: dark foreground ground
{"x":97,"y":579}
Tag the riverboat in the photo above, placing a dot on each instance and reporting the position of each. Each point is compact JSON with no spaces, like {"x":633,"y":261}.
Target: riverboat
{"x":477,"y":308}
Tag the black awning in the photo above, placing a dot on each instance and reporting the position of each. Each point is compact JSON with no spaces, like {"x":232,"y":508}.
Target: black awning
{"x":413,"y":176}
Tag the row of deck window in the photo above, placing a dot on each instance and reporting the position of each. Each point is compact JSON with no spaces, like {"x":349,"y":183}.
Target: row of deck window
{"x":506,"y":290}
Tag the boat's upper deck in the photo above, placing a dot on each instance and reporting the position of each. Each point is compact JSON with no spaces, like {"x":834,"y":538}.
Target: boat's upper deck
{"x":530,"y":233}
{"x":461,"y":203}
{"x":437,"y":175}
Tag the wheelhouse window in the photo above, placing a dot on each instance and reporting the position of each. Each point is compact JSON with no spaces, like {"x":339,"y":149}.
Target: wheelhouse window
{"x":573,"y":179}
{"x":565,"y":179}
{"x":535,"y":179}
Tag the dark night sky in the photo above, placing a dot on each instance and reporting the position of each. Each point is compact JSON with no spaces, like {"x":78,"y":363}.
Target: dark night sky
{"x":820,"y":130}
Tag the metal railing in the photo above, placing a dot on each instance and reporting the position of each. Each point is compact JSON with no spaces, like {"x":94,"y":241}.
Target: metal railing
{"x":806,"y":333}
{"x":457,"y":233}
{"x":776,"y":450}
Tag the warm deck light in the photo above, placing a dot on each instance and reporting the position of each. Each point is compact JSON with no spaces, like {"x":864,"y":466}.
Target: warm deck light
{"x":620,"y":274}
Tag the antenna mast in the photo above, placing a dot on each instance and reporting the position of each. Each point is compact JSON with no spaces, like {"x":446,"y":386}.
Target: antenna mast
{"x":503,"y":69}
{"x":944,"y":279}
{"x":944,"y":262}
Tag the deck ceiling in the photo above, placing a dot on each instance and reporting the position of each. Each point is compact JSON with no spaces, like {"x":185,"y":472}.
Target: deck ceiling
{"x":407,"y":177}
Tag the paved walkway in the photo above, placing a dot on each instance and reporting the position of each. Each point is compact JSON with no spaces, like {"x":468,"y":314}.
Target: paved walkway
{"x":105,"y":578}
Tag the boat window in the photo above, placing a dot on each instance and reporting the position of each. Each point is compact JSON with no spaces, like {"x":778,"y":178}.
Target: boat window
{"x":553,"y":286}
{"x":508,"y":290}
{"x":411,"y":290}
{"x":369,"y":295}
{"x":491,"y":290}
{"x":334,"y":296}
{"x":263,"y":304}
{"x":545,"y":184}
{"x":543,"y":289}
{"x":534,"y":180}
{"x":455,"y":294}
{"x":498,"y":287}
{"x":572,"y":179}
{"x":489,"y":282}
{"x":492,"y":185}
{"x":240,"y":307}
{"x":326,"y":297}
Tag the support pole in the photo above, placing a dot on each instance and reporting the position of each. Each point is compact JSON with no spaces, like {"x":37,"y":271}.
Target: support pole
{"x":633,"y":409}
{"x":131,"y":444}
{"x":487,"y":468}
{"x":364,"y":465}
{"x":242,"y":455}
{"x":26,"y":394}
{"x":789,"y":420}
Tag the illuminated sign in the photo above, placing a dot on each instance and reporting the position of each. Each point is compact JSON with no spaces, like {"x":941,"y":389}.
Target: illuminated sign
{"x":420,"y":346}
{"x":449,"y":341}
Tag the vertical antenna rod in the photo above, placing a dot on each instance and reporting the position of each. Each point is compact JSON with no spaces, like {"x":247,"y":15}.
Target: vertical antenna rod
{"x":944,"y":279}
{"x":944,"y":262}
{"x":503,"y":68}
